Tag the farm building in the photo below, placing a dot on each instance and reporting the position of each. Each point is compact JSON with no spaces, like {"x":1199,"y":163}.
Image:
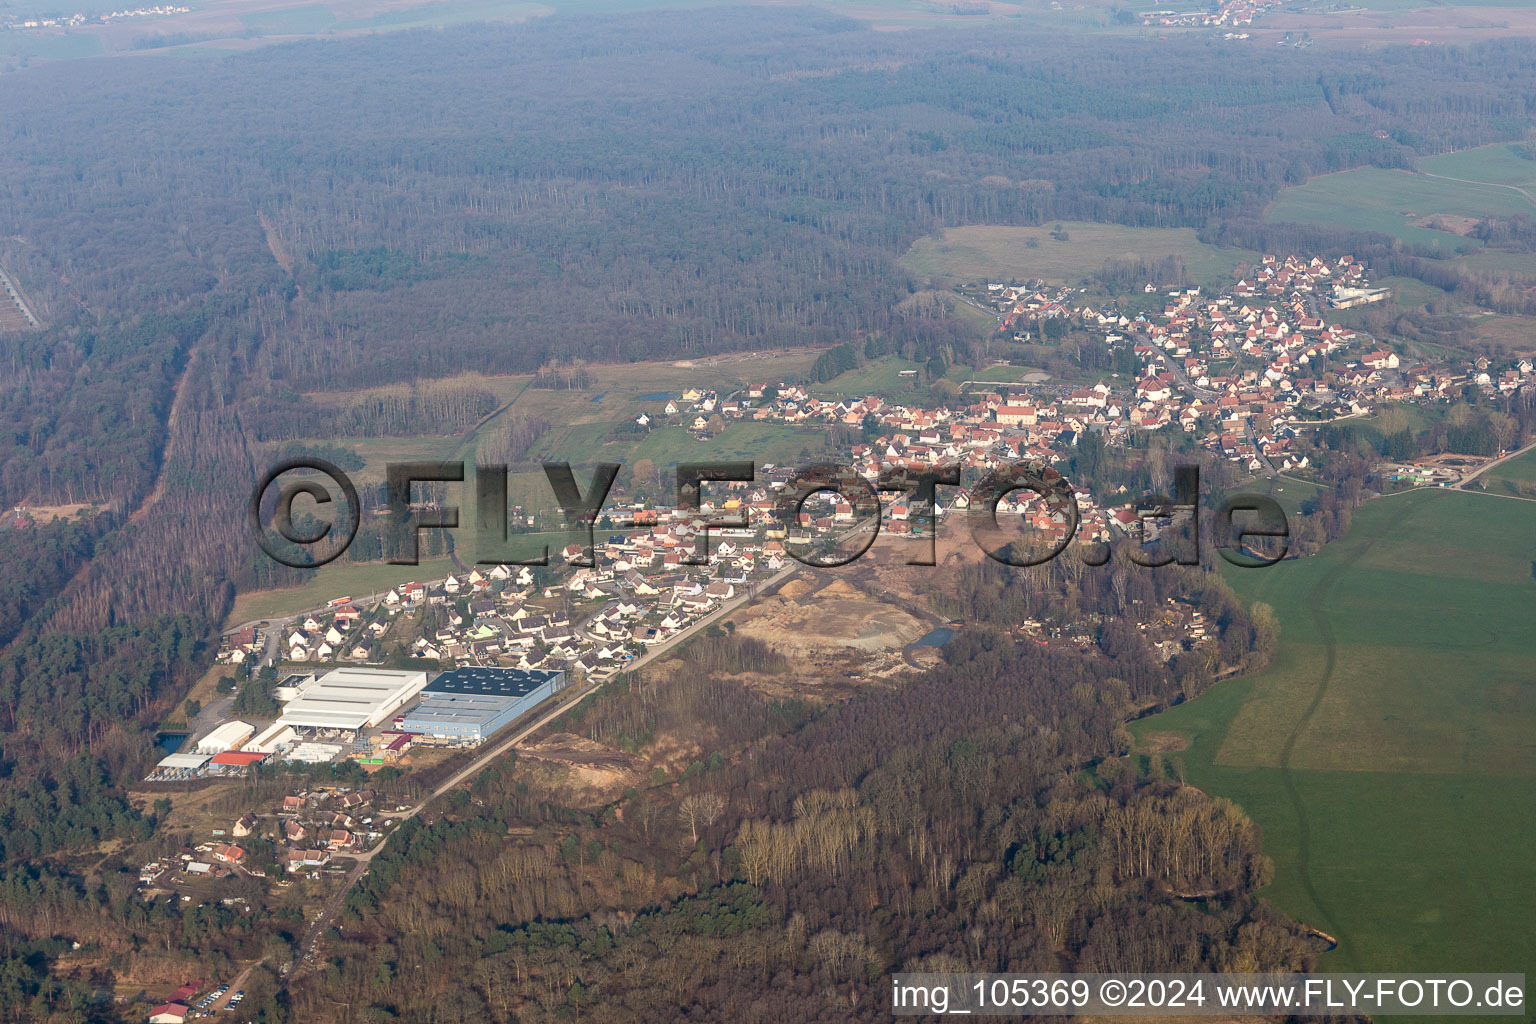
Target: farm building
{"x":469,"y":705}
{"x":349,"y":699}
{"x":228,"y":736}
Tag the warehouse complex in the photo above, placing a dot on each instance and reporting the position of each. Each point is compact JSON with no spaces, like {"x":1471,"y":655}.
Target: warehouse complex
{"x":469,"y":705}
{"x":340,"y":714}
{"x":346,"y":700}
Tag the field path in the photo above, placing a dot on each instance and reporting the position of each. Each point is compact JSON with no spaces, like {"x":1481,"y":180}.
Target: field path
{"x":1486,"y":184}
{"x":1316,"y":600}
{"x":177,"y":396}
{"x":279,"y":252}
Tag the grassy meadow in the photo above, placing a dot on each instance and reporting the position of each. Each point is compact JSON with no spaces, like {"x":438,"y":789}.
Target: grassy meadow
{"x":1291,"y":493}
{"x":338,"y":579}
{"x":1427,"y":208}
{"x":1501,"y":164}
{"x":998,"y":253}
{"x":1389,"y":751}
{"x":1516,"y":477}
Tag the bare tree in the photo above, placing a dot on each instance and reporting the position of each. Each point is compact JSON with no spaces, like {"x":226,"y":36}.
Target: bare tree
{"x":701,"y":809}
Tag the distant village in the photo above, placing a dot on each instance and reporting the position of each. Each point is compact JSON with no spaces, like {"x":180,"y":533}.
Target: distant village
{"x":1226,"y":14}
{"x":77,"y":19}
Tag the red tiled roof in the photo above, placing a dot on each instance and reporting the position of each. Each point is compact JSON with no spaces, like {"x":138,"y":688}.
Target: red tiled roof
{"x":239,"y":758}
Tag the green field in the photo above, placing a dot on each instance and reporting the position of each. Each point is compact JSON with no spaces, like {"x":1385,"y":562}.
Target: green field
{"x":997,"y":253}
{"x":50,"y":43}
{"x":1389,"y":751}
{"x":1516,"y":477}
{"x":1404,"y":205}
{"x":877,"y":377}
{"x":991,"y":374}
{"x":339,"y":579}
{"x":378,"y":452}
{"x":883,"y":377}
{"x":306,"y":20}
{"x":1503,"y":164}
{"x":1292,"y":494}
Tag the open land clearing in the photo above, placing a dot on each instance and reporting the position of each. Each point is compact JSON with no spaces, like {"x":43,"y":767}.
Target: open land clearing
{"x":1291,"y":492}
{"x":1003,"y":253}
{"x":1402,"y":22}
{"x":583,"y":769}
{"x":829,"y":631}
{"x":338,"y":579}
{"x":583,"y":422}
{"x":884,"y":377}
{"x":1389,"y":750}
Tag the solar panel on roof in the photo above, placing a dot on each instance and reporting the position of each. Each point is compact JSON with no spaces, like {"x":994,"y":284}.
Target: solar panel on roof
{"x":513,"y":682}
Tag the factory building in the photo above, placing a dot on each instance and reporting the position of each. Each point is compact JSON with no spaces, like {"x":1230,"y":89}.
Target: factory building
{"x":346,"y":700}
{"x":292,"y":686}
{"x":228,"y":736}
{"x":175,"y":766}
{"x":469,"y":705}
{"x":272,"y":738}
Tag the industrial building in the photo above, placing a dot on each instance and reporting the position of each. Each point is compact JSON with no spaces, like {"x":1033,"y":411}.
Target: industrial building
{"x":469,"y":705}
{"x":179,"y":765}
{"x":293,"y":686}
{"x":236,"y":761}
{"x":272,"y":738}
{"x":228,"y":736}
{"x":349,"y":699}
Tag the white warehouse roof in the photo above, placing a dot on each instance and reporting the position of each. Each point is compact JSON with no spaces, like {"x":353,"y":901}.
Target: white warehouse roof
{"x":352,"y":698}
{"x":184,"y":761}
{"x":228,"y":736}
{"x":271,"y":738}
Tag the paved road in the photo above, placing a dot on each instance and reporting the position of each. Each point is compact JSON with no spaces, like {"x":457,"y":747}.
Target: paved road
{"x":1253,"y":440}
{"x":1183,"y":378}
{"x":1462,"y":483}
{"x":276,"y":628}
